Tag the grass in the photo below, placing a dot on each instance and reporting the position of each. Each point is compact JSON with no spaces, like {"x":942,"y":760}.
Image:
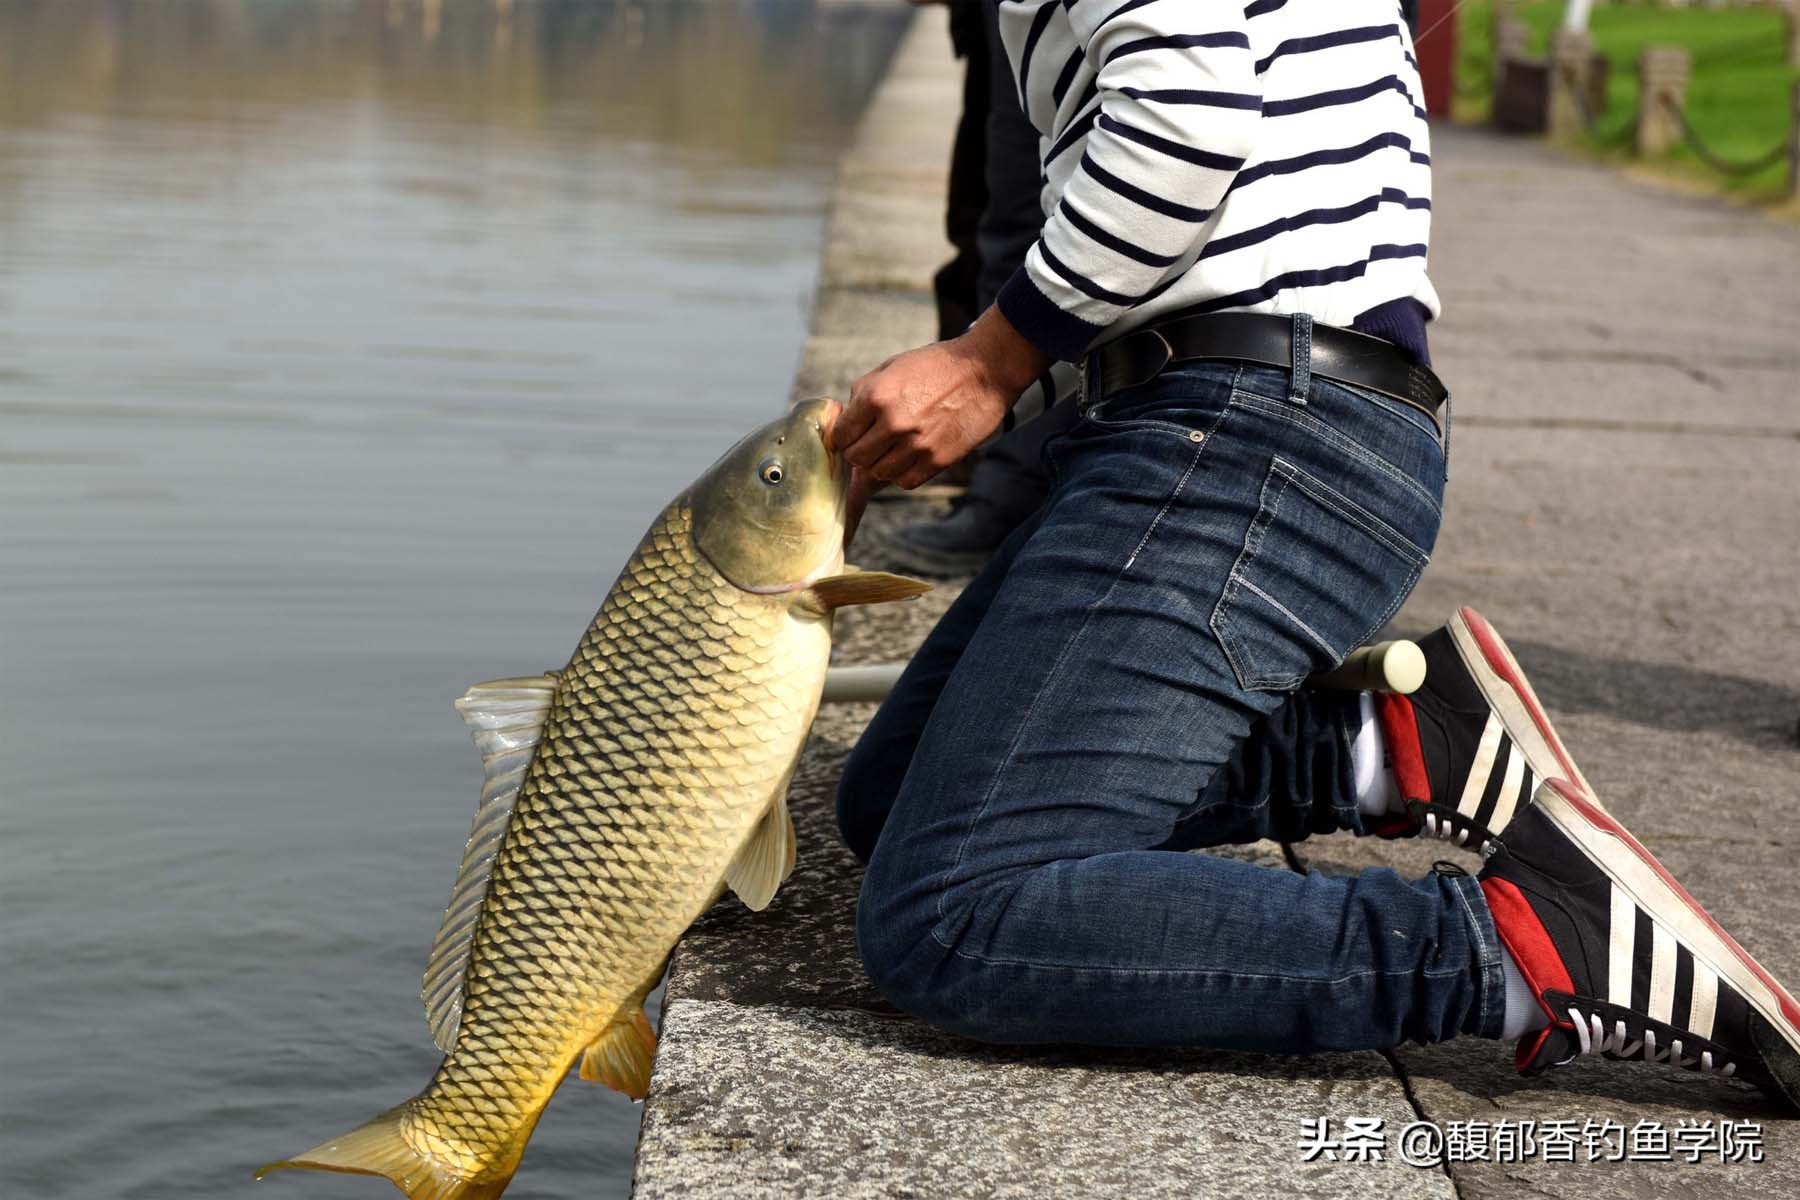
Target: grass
{"x":1739,"y":92}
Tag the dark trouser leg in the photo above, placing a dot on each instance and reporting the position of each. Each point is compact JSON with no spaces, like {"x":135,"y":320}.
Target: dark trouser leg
{"x":1011,"y":476}
{"x":955,"y":284}
{"x":1014,"y":214}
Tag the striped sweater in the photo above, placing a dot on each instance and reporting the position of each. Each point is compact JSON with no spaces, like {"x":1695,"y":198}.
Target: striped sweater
{"x":1269,"y":156}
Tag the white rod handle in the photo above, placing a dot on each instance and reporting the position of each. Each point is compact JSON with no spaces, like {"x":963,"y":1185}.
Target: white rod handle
{"x":1383,"y":667}
{"x":844,"y":685}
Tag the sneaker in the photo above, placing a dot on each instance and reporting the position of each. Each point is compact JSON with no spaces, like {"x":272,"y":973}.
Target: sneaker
{"x":955,"y":544}
{"x":1470,"y":746}
{"x":1622,"y":960}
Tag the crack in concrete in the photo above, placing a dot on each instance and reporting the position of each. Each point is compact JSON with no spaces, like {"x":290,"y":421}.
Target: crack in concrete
{"x":1418,"y":1107}
{"x":1650,"y":358}
{"x":1604,"y":425}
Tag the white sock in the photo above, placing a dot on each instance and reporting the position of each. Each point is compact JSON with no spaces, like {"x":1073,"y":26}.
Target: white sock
{"x":1523,"y":1012}
{"x":1376,"y":791}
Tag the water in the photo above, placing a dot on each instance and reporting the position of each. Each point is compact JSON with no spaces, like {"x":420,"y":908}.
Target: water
{"x":345,"y":350}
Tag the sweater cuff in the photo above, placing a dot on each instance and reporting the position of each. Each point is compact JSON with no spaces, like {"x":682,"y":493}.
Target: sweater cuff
{"x":1055,"y":332}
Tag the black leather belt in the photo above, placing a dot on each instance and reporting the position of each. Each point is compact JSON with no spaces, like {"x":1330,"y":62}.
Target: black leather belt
{"x":1264,"y":338}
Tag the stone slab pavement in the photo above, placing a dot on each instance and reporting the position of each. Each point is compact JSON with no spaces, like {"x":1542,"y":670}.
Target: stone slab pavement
{"x":1624,"y":500}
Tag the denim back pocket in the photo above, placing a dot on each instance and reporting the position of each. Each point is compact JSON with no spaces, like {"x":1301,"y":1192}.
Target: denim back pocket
{"x":1319,"y":574}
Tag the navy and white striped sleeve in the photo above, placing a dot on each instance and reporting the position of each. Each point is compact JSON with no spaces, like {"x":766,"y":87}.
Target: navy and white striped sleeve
{"x":1179,"y":104}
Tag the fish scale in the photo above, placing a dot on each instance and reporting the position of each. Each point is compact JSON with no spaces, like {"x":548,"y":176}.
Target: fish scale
{"x":579,"y":930}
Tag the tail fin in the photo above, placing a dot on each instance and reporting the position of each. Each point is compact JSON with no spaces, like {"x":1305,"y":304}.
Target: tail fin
{"x":378,"y":1148}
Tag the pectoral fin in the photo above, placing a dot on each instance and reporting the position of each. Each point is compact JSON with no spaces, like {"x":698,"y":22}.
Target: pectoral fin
{"x":621,"y":1057}
{"x":861,"y":587}
{"x":767,"y":859}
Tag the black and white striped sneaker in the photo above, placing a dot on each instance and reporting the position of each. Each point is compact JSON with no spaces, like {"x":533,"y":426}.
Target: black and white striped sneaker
{"x":1470,"y":747}
{"x":1623,"y":961}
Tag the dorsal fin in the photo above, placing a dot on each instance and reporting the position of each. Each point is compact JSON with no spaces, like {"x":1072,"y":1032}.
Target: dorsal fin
{"x":506,"y":719}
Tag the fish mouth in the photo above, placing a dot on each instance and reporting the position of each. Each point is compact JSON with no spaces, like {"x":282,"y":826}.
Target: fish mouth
{"x":826,"y":420}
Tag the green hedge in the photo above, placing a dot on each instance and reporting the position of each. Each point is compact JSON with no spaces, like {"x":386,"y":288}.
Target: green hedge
{"x":1739,"y":96}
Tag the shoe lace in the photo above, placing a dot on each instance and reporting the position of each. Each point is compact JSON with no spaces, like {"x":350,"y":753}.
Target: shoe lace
{"x":1595,"y":1038}
{"x":1452,"y":826}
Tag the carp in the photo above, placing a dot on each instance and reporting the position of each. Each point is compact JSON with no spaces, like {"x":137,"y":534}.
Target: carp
{"x":623,"y":794}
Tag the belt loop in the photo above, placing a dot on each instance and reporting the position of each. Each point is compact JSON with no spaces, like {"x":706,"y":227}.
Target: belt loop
{"x":1300,"y":377}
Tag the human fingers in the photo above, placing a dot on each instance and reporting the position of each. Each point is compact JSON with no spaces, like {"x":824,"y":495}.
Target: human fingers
{"x":855,"y":420}
{"x":896,"y":464}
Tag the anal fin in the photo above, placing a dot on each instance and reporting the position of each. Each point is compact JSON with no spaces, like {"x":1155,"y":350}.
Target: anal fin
{"x":621,"y":1057}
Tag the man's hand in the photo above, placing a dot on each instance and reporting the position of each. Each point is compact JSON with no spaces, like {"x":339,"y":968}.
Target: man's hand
{"x":920,"y":411}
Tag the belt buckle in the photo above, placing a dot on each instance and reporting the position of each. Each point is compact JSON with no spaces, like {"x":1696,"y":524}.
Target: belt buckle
{"x":1168,"y":352}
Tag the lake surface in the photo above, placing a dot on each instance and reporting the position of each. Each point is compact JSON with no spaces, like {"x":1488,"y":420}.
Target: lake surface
{"x":345,"y":351}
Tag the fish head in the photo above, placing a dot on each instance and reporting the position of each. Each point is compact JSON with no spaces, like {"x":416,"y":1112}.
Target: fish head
{"x":769,"y":515}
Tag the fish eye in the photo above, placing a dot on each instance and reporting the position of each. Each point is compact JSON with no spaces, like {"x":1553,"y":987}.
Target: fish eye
{"x":771,"y":471}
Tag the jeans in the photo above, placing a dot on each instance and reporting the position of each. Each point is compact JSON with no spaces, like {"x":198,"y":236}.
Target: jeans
{"x":1120,"y":686}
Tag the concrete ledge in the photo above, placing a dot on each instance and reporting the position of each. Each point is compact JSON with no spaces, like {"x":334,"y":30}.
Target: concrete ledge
{"x":781,"y":1102}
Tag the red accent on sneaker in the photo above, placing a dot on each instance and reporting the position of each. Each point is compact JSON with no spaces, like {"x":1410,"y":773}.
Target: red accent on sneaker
{"x":1529,"y":1047}
{"x":1533,"y":952}
{"x":1597,"y":817}
{"x":1489,"y":641}
{"x":1400,"y":730}
{"x":1525,"y":937}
